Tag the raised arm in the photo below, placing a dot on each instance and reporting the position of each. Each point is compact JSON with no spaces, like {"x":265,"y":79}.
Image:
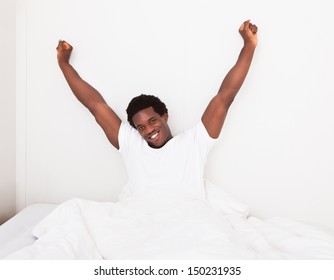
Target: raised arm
{"x":215,"y":114}
{"x":88,"y":95}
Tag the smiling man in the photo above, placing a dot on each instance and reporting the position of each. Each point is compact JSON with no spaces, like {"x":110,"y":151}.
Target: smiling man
{"x":149,"y":116}
{"x":152,"y":155}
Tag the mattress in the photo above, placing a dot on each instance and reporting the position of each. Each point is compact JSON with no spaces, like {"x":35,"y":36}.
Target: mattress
{"x":16,"y":233}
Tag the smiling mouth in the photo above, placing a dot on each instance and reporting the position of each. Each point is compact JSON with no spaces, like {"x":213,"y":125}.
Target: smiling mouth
{"x":154,"y":135}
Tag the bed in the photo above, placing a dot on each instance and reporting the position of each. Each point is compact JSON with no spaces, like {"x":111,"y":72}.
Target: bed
{"x":160,"y":222}
{"x":16,"y":233}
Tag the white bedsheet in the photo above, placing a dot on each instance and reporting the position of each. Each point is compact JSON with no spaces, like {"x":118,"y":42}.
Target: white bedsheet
{"x":16,"y":233}
{"x":164,"y":222}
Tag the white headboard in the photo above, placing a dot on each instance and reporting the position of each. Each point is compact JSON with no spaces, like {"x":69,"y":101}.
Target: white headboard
{"x":275,"y":151}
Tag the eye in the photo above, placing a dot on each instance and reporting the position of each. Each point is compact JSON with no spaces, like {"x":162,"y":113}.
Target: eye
{"x":140,"y":128}
{"x":152,"y":121}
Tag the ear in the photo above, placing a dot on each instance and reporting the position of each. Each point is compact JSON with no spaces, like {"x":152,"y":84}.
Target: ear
{"x":165,"y":117}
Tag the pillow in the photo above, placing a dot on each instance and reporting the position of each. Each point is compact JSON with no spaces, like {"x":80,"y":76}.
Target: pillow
{"x":223,"y":201}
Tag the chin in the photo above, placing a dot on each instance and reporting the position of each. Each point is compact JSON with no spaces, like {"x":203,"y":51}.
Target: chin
{"x":156,"y":145}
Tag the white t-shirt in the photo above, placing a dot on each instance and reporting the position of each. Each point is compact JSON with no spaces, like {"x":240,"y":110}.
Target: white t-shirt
{"x":180,"y":161}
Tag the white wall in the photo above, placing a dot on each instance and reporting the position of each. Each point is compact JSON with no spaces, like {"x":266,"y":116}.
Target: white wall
{"x":7,"y":109}
{"x":275,"y":152}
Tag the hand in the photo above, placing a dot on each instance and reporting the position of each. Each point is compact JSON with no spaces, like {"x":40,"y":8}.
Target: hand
{"x":64,"y":51}
{"x":248,"y":32}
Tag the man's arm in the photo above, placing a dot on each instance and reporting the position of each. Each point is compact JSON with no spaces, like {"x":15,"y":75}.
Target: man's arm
{"x":88,"y":95}
{"x":215,"y":114}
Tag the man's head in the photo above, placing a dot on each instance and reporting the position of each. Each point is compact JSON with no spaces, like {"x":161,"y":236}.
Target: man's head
{"x":149,"y":115}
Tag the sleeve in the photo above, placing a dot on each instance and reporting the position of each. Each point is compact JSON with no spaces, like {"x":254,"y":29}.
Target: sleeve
{"x":203,"y":140}
{"x":126,"y":135}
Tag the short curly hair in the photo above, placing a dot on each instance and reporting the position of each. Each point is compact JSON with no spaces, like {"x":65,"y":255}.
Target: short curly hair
{"x":144,"y":101}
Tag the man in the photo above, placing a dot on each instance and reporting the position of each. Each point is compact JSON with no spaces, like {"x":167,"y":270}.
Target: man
{"x":151,"y":154}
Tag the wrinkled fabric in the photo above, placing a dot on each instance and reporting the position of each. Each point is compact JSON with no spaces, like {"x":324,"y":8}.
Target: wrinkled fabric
{"x":167,"y":222}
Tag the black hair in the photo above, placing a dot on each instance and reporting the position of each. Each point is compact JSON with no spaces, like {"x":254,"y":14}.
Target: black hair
{"x":144,"y":101}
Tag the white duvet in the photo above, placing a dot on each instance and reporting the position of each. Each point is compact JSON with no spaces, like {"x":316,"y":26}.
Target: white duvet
{"x":165,"y":222}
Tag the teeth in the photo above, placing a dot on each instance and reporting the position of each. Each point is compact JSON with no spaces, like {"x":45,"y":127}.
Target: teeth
{"x":154,"y":135}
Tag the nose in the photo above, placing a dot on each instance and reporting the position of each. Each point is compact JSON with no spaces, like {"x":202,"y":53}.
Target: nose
{"x":150,"y":130}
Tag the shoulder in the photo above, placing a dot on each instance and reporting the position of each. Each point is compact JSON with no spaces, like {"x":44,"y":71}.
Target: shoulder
{"x":127,"y":135}
{"x":198,"y":131}
{"x":200,"y":138}
{"x":126,"y":128}
{"x":196,"y":135}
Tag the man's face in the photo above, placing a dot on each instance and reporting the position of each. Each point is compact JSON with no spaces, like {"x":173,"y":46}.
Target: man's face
{"x":152,"y":127}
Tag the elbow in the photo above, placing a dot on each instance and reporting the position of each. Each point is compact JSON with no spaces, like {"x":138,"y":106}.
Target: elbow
{"x":96,"y":107}
{"x":229,"y":102}
{"x":226,"y":100}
